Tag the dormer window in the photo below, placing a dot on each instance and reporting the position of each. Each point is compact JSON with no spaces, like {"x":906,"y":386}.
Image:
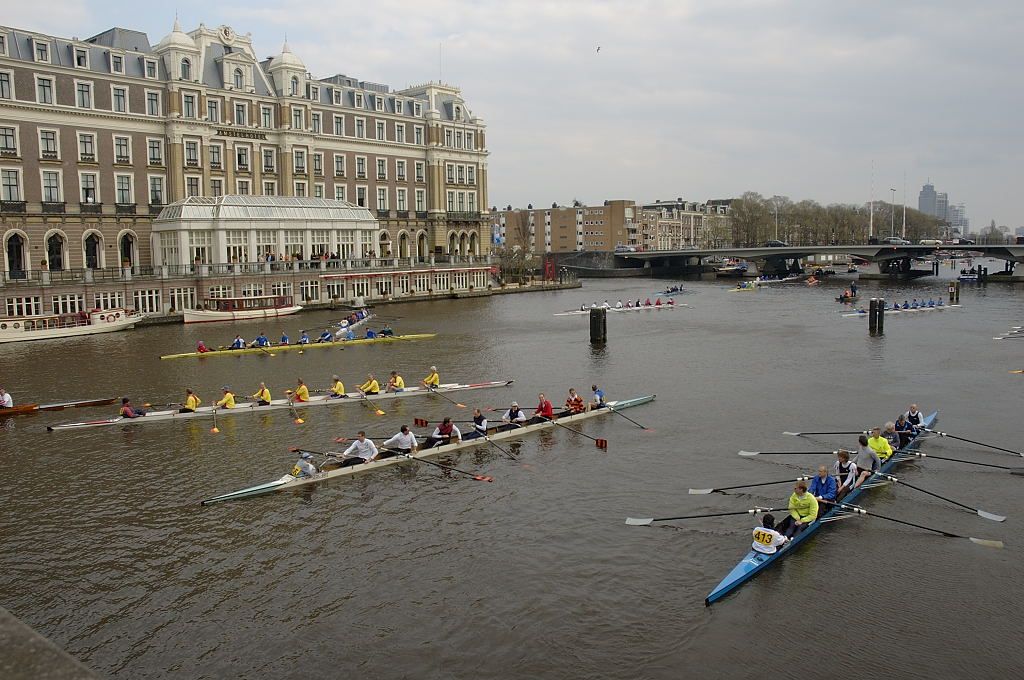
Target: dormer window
{"x":186,"y":69}
{"x":239,"y":79}
{"x":359,"y":100}
{"x":337,"y":97}
{"x":42,"y":52}
{"x":116,"y":63}
{"x":81,"y":57}
{"x":417,"y":109}
{"x":295,"y":86}
{"x":151,"y":71}
{"x":379,"y":102}
{"x":458,"y":113}
{"x":398,"y":106}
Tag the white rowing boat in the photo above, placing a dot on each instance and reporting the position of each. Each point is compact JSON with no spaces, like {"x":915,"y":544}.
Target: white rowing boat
{"x":642,"y":308}
{"x":890,"y":311}
{"x":290,"y":482}
{"x":278,"y":405}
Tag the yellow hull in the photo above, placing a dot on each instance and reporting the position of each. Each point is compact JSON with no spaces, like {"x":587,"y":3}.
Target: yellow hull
{"x":274,"y":349}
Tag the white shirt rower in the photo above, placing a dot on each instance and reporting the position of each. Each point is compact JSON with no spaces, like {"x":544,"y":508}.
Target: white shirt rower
{"x":514,"y":414}
{"x":361,"y":448}
{"x":456,"y":434}
{"x":404,"y":441}
{"x":618,"y":305}
{"x":6,"y":401}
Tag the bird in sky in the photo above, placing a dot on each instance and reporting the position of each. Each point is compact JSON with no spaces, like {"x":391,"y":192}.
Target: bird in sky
{"x":598,"y":48}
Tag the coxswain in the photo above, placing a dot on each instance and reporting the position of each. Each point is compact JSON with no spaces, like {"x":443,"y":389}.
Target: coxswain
{"x":574,"y":402}
{"x":904,"y":429}
{"x":403,"y":442}
{"x":387,"y":332}
{"x":544,"y":411}
{"x":597,"y":401}
{"x":867,"y":461}
{"x":445,"y":433}
{"x":618,"y":305}
{"x":395,"y":383}
{"x":262,"y":395}
{"x":845,"y":473}
{"x":304,"y":466}
{"x":877,"y":442}
{"x":432,"y":381}
{"x":361,"y":450}
{"x":890,"y":435}
{"x":228,"y":400}
{"x":337,"y":389}
{"x":370,"y":334}
{"x":192,"y":402}
{"x":129,"y":411}
{"x":371,"y":386}
{"x":326,"y":336}
{"x":6,"y":401}
{"x":238,"y":343}
{"x":304,"y":338}
{"x":915,"y":418}
{"x":301,"y":392}
{"x":201,"y":347}
{"x":766,"y":539}
{"x":803,"y":509}
{"x":284,"y":338}
{"x":514,"y":415}
{"x":824,"y":488}
{"x":479,"y":422}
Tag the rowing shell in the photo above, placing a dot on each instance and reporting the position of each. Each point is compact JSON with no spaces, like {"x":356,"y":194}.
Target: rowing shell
{"x":279,"y":405}
{"x":471,"y":439}
{"x":755,"y":562}
{"x":288,"y":348}
{"x":905,"y":311}
{"x":33,"y":408}
{"x":642,"y":308}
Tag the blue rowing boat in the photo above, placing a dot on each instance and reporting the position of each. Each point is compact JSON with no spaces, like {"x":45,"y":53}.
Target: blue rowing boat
{"x":754,"y":562}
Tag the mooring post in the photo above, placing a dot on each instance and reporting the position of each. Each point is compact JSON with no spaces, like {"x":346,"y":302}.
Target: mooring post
{"x":881,"y":316}
{"x":598,"y":325}
{"x":873,"y":316}
{"x":956,"y":292}
{"x":952,"y":291}
{"x":984,"y":276}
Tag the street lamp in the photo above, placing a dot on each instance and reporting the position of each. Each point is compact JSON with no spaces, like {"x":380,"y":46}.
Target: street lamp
{"x":892,"y":213}
{"x":775,"y":207}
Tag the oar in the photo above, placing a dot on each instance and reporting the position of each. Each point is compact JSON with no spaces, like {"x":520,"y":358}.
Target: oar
{"x":971,"y":441}
{"x":639,"y":522}
{"x":642,"y":427}
{"x":1017,"y":371}
{"x":981,"y":513}
{"x":266,"y":351}
{"x":446,"y":398}
{"x":291,"y":407}
{"x":599,"y":443}
{"x":479,"y":478}
{"x":215,"y":429}
{"x":918,"y":454}
{"x":704,"y":492}
{"x":363,"y":398}
{"x":861,"y":511}
{"x":149,"y":405}
{"x":786,"y":453}
{"x":801,"y":434}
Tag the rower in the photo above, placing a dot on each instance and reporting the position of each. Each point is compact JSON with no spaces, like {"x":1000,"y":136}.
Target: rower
{"x":403,"y":442}
{"x":766,"y":539}
{"x":201,"y":347}
{"x":938,"y":303}
{"x":671,"y":302}
{"x":370,"y":334}
{"x":228,"y":400}
{"x":445,"y":433}
{"x":904,"y":430}
{"x":261,"y":340}
{"x":657,"y":303}
{"x":350,"y":334}
{"x":598,"y":399}
{"x":877,"y":442}
{"x":301,"y":393}
{"x":304,"y":338}
{"x":906,"y":305}
{"x":915,"y":418}
{"x":544,"y":411}
{"x":891,"y":435}
{"x":326,"y":336}
{"x":192,"y":402}
{"x":606,"y":305}
{"x":129,"y":411}
{"x":574,"y":402}
{"x":6,"y":401}
{"x":618,"y":305}
{"x":647,"y":302}
{"x":304,"y":466}
{"x":284,"y":338}
{"x":395,"y":383}
{"x":931,"y":302}
{"x":637,"y":303}
{"x":593,"y":305}
{"x":362,"y":450}
{"x":479,"y":422}
{"x":583,"y":307}
{"x":238,"y":343}
{"x":262,"y":396}
{"x":337,"y":390}
{"x":803,"y":509}
{"x":387,"y":332}
{"x":432,"y":381}
{"x":914,"y":304}
{"x":867,"y":461}
{"x":514,"y":415}
{"x":371,"y":386}
{"x":629,"y":304}
{"x":823,"y":488}
{"x":845,"y":473}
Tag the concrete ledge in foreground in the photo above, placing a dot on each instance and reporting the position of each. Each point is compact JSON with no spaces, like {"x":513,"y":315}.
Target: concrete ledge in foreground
{"x":27,"y":655}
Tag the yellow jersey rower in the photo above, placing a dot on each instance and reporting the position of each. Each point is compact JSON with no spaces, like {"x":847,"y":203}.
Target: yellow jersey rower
{"x":371,"y":386}
{"x":395,"y":383}
{"x":301,"y":392}
{"x":262,"y":396}
{"x":192,"y":402}
{"x":879,"y":444}
{"x":337,"y":388}
{"x":432,"y":381}
{"x":228,"y":401}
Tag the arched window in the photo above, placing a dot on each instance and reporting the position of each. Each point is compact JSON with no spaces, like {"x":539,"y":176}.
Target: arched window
{"x":453,"y":245}
{"x":295,"y":86}
{"x":239,"y":79}
{"x":55,"y":252}
{"x":127,"y":249}
{"x":93,"y":250}
{"x":422,"y":249}
{"x":474,"y":244}
{"x":15,"y":256}
{"x":186,"y":69}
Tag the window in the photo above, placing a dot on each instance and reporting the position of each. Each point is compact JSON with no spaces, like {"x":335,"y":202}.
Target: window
{"x":382,"y":168}
{"x":186,"y":69}
{"x":400,"y":171}
{"x":359,"y":100}
{"x":360,"y":167}
{"x":183,"y":298}
{"x":242,"y":158}
{"x":42,"y":52}
{"x":318,"y":191}
{"x":216,"y":156}
{"x":295,"y":86}
{"x":378,"y":102}
{"x":122,"y":150}
{"x":86,"y":147}
{"x":400,"y":133}
{"x":298,"y":119}
{"x":3,"y":45}
{"x":339,"y":192}
{"x":462,"y":201}
{"x":471,"y":174}
{"x":299,"y":161}
{"x":51,"y":186}
{"x":8,"y":141}
{"x":44,"y":90}
{"x":318,"y":164}
{"x":240,"y":110}
{"x":269,"y":161}
{"x":339,"y":165}
{"x":83,"y":95}
{"x":191,"y":153}
{"x":315,"y":122}
{"x":339,"y":125}
{"x":216,"y":187}
{"x":5,"y":85}
{"x":156,"y":152}
{"x":417,"y":109}
{"x":48,"y":143}
{"x":420,"y":169}
{"x":471,"y":198}
{"x":116,"y":63}
{"x":266,"y":117}
{"x":67,"y":304}
{"x":153,"y":103}
{"x":239,"y":79}
{"x":470,"y":142}
{"x":458,"y":112}
{"x":458,"y":139}
{"x":188,"y":106}
{"x":213,"y":110}
{"x":451,"y":201}
{"x":10,"y":185}
{"x":461,"y":174}
{"x":119,"y":100}
{"x":448,"y":138}
{"x":81,"y":57}
{"x":148,"y":301}
{"x":300,"y":189}
{"x":108,"y":300}
{"x":25,"y":306}
{"x":156,"y":190}
{"x":192,"y":186}
{"x":418,"y":135}
{"x":151,"y":71}
{"x":336,"y":94}
{"x":361,"y":197}
{"x":450,"y":173}
{"x":398,"y":106}
{"x":360,"y":128}
{"x":87,"y":180}
{"x":243,"y":187}
{"x":269,"y":188}
{"x":402,"y":204}
{"x":123,"y":189}
{"x":380,"y":130}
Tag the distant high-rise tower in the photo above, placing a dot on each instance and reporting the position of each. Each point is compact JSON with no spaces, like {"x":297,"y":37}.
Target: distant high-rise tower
{"x":942,"y":206}
{"x":926,"y":199}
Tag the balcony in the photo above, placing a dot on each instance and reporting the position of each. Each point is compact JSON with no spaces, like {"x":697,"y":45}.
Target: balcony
{"x":8,"y":153}
{"x":383,"y":213}
{"x":318,"y":173}
{"x":49,"y":155}
{"x":381,"y":177}
{"x":243,"y":167}
{"x":12,"y":207}
{"x":419,"y":178}
{"x":215,"y":165}
{"x":421,"y":214}
{"x":122,"y":160}
{"x":155,"y":208}
{"x":54,"y":208}
{"x":402,"y":214}
{"x":192,"y":162}
{"x":156,"y":162}
{"x":339,"y":174}
{"x":464,"y":216}
{"x":270,"y":169}
{"x":360,"y":175}
{"x":400,"y":178}
{"x":124,"y":208}
{"x":90,"y":208}
{"x":301,"y":170}
{"x":86,"y":158}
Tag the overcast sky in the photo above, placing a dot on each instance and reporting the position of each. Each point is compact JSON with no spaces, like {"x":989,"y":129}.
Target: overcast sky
{"x":699,"y":99}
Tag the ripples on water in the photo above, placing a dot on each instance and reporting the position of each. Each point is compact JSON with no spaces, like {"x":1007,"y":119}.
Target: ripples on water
{"x":409,"y":573}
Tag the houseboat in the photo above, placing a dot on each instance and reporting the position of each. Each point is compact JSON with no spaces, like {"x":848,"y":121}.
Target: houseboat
{"x":17,"y":329}
{"x":237,"y":309}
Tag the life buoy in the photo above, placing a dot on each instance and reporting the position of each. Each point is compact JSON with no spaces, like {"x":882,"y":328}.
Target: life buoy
{"x":102,"y":317}
{"x":117,"y":315}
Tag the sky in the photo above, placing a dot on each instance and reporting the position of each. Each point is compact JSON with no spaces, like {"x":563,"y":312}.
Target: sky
{"x":697,"y":99}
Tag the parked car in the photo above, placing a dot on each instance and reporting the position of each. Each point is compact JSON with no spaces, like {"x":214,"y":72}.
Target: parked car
{"x":962,"y":242}
{"x":895,"y":241}
{"x":775,"y":243}
{"x":931,"y":241}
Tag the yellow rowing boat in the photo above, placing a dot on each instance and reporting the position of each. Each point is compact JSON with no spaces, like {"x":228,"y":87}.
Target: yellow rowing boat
{"x":273,"y":349}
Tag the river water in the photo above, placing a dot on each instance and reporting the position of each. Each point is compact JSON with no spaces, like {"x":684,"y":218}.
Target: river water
{"x":408,"y":573}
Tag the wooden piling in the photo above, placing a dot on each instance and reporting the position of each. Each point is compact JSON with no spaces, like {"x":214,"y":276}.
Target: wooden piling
{"x":880,"y":313}
{"x":598,"y":325}
{"x":873,"y":316}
